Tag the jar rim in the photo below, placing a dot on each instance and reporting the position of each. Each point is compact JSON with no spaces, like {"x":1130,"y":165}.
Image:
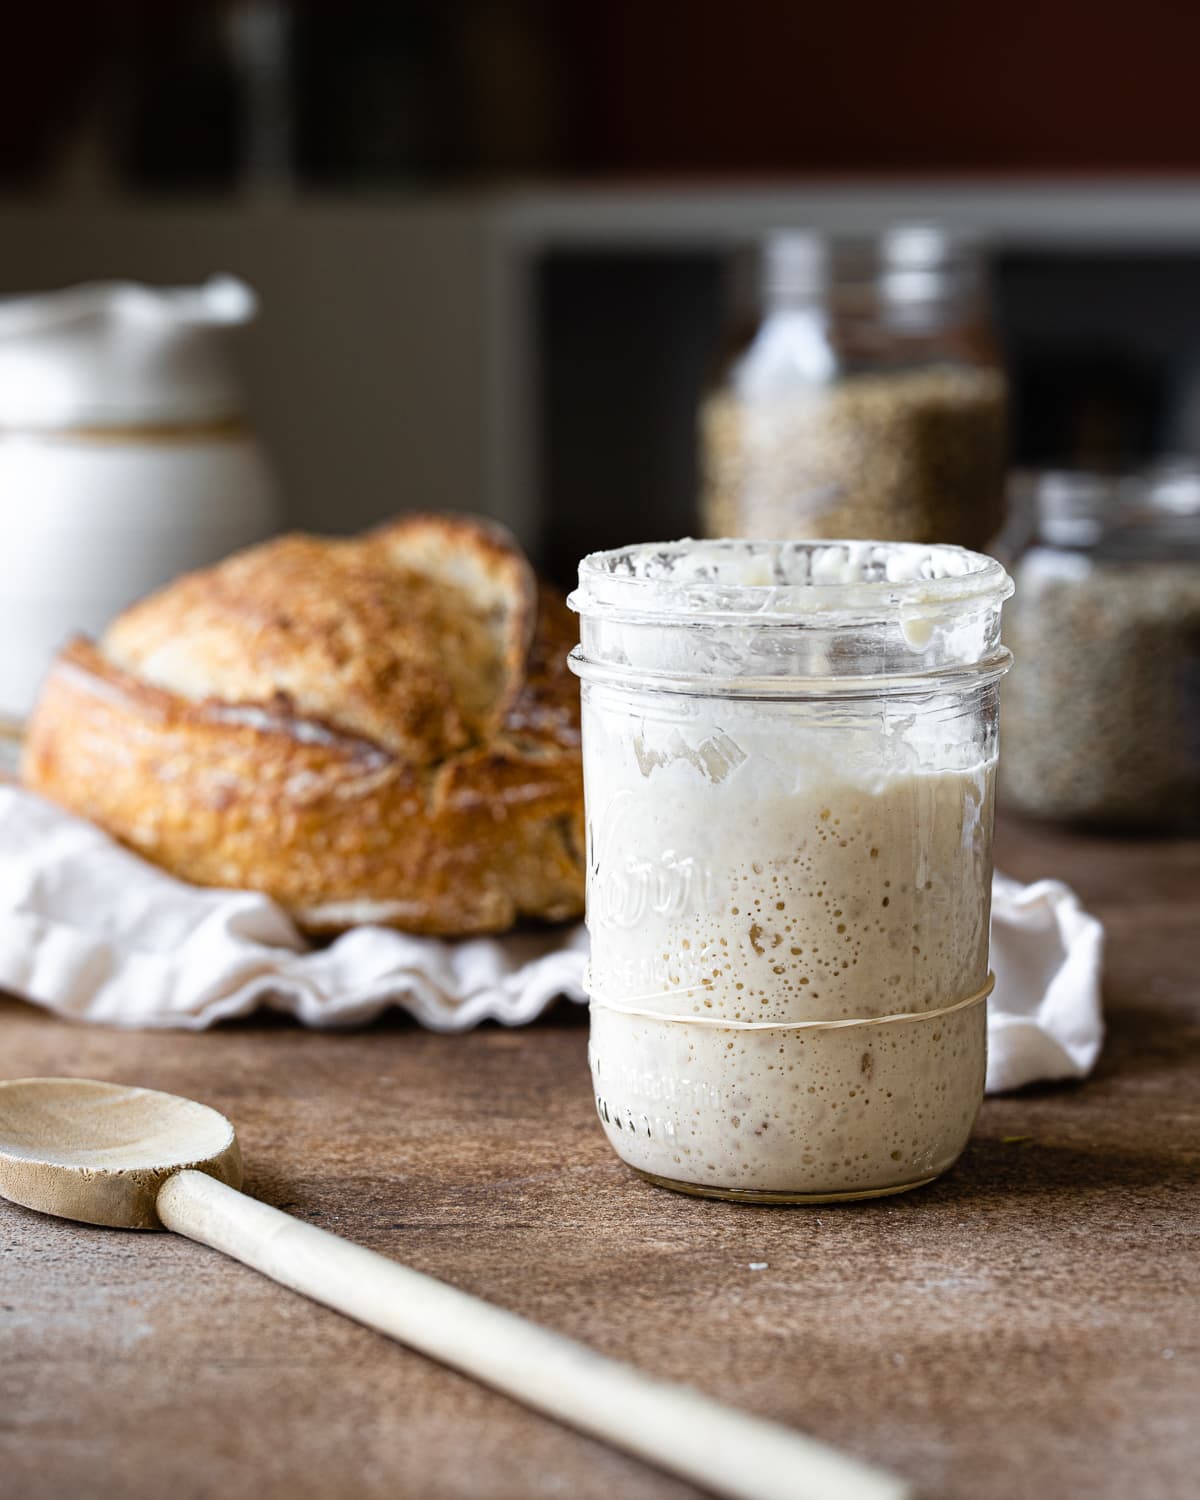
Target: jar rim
{"x":1078,"y":507}
{"x":742,"y":582}
{"x":907,"y":261}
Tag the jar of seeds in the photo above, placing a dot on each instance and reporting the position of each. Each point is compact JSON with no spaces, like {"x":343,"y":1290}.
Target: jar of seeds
{"x":862,"y":395}
{"x":1102,"y":714}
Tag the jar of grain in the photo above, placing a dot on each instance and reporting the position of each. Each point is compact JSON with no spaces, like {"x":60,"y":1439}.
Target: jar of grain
{"x":861,"y":396}
{"x":1102,"y":715}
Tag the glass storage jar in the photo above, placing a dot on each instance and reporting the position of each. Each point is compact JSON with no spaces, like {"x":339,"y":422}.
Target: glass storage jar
{"x":862,"y":396}
{"x":789,"y":753}
{"x":1102,"y":714}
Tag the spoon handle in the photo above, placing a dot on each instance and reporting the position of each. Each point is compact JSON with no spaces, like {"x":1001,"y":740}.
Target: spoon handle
{"x":723,"y":1450}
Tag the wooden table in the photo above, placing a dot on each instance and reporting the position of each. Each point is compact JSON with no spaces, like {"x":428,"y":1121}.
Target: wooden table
{"x":1026,"y":1327}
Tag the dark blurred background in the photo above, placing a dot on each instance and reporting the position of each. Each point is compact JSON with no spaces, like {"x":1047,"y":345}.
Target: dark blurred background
{"x":490,"y":236}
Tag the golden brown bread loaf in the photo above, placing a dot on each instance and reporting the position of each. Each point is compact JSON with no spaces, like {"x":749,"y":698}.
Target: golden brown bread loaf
{"x":377,"y":729}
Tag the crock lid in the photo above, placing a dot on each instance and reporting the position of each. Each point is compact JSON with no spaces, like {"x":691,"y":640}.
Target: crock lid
{"x":120,"y":354}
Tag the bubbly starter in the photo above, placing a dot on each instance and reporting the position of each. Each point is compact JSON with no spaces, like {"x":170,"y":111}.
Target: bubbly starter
{"x":751,"y":866}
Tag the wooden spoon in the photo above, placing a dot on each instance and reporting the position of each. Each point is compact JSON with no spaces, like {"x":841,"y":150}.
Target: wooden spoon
{"x":137,"y":1159}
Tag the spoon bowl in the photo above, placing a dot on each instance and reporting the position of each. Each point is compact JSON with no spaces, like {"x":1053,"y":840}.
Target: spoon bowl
{"x":100,"y":1152}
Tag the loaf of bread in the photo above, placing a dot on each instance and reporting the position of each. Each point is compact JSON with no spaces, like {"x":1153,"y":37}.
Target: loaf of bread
{"x":374,"y":729}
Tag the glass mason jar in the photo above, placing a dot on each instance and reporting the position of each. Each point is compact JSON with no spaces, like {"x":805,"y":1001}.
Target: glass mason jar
{"x":1102,"y":714}
{"x":861,"y":396}
{"x":789,"y":754}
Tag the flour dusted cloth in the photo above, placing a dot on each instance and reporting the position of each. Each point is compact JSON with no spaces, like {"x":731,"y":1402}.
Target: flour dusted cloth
{"x":94,"y":933}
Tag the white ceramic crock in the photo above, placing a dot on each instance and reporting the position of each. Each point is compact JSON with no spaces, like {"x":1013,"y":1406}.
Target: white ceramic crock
{"x":125,"y":458}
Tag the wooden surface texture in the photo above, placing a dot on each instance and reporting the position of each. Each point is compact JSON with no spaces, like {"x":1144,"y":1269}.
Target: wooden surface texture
{"x":1026,"y":1327}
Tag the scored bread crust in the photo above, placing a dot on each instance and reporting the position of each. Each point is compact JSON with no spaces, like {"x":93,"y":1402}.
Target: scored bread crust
{"x":382,"y":729}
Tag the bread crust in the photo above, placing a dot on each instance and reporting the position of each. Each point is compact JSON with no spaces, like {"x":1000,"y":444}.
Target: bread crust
{"x":366,"y":786}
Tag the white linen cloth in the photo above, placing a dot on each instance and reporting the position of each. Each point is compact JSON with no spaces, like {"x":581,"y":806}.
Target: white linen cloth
{"x":93,"y":933}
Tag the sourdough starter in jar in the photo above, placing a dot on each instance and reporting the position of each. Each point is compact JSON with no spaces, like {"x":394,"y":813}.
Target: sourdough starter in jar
{"x":789,"y":882}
